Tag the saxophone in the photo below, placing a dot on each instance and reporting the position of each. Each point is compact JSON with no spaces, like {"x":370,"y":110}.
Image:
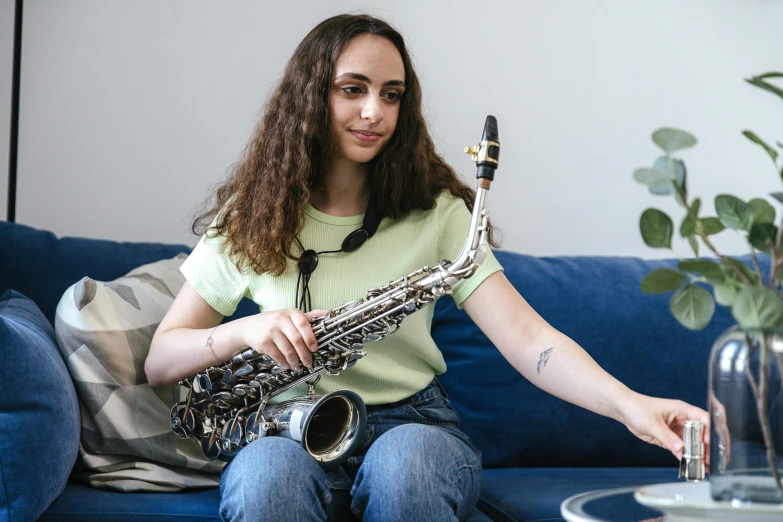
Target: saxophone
{"x":227,"y":405}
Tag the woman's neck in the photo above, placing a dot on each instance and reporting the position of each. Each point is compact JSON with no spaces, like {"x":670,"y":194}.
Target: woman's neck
{"x":344,"y":190}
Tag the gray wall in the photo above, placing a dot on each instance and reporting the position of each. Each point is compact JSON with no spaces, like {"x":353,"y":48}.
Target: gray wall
{"x":132,"y":109}
{"x":6,"y":66}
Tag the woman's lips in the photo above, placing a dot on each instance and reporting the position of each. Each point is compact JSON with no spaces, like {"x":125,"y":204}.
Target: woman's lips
{"x":365,"y":137}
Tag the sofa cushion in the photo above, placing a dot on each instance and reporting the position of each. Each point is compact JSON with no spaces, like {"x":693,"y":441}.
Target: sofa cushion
{"x":39,"y":414}
{"x":535,"y":494}
{"x":104,"y":330}
{"x":82,"y":504}
{"x":598,"y":303}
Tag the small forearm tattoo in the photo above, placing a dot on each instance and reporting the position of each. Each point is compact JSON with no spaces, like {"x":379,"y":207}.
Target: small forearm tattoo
{"x":544,"y":358}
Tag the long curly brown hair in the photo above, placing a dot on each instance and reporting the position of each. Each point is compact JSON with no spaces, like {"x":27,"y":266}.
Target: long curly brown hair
{"x":260,"y":207}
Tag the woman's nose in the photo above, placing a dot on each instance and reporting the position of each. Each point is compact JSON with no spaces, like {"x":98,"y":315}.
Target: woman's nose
{"x":372,"y":110}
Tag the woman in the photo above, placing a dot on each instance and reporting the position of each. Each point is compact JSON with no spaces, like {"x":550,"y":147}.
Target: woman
{"x":342,"y":134}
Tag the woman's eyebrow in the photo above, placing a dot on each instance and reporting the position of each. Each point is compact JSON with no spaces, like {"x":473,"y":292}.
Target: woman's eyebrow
{"x":363,"y":78}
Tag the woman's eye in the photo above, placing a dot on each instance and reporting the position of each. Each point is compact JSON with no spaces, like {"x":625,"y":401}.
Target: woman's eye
{"x":392,"y":96}
{"x":352,"y":90}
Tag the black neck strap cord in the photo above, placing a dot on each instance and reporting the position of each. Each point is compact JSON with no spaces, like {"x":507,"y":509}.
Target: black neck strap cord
{"x":308,"y":261}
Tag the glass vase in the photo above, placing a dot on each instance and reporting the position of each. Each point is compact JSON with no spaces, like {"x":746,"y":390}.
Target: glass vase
{"x":746,"y":412}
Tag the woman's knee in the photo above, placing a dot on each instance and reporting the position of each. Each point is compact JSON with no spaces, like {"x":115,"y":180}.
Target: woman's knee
{"x":419,"y":450}
{"x":433,"y":470}
{"x":274,"y":468}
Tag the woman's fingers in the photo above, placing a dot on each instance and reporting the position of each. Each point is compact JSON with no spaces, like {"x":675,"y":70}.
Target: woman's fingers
{"x":287,"y":349}
{"x":271,"y":350}
{"x":293,"y":334}
{"x":302,"y":323}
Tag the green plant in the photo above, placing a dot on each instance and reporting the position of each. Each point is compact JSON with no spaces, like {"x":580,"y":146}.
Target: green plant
{"x":752,"y":294}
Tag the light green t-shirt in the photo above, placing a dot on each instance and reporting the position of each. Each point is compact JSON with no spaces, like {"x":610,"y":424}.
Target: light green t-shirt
{"x":395,"y":367}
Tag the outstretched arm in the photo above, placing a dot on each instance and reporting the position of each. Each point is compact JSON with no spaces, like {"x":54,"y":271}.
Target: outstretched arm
{"x":558,"y":365}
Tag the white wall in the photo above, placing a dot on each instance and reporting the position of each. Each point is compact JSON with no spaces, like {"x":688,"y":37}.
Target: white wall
{"x":6,"y":69}
{"x":132,"y":109}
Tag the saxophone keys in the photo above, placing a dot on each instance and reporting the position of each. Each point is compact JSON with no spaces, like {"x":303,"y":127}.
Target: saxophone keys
{"x":247,"y":369}
{"x":209,"y":449}
{"x":261,"y":378}
{"x":201,"y":383}
{"x":240,"y":390}
{"x":222,"y":404}
{"x":183,"y":421}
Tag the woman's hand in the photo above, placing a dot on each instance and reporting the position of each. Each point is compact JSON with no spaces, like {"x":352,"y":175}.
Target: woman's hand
{"x":662,"y":421}
{"x":284,"y":335}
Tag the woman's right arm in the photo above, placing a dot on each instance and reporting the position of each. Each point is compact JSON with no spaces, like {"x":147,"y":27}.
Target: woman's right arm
{"x":179,"y":346}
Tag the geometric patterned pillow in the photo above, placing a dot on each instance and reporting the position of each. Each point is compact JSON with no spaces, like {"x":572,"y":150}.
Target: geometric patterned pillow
{"x":104,"y":331}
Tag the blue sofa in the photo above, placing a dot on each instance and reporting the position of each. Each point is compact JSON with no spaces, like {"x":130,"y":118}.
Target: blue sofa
{"x":537,"y":449}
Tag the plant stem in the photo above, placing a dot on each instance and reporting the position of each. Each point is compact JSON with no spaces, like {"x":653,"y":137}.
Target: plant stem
{"x":756,"y":265}
{"x":774,"y":261}
{"x":760,"y":394}
{"x":763,"y":410}
{"x":723,"y":258}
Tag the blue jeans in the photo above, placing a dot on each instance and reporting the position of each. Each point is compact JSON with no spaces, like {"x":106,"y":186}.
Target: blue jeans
{"x":413,"y":463}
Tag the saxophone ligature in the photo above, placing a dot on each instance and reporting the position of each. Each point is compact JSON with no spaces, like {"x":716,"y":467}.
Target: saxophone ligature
{"x":227,"y":406}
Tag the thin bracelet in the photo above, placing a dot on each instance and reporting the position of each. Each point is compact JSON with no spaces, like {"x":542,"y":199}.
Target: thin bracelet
{"x":209,"y":345}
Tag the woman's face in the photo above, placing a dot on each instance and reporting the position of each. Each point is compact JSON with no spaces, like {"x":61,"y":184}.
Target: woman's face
{"x":365,"y":98}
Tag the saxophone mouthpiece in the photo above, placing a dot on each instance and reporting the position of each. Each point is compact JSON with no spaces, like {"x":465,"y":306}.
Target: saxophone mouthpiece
{"x":487,"y":152}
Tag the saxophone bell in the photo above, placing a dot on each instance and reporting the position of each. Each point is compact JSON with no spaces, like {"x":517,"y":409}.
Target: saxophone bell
{"x":329,"y":427}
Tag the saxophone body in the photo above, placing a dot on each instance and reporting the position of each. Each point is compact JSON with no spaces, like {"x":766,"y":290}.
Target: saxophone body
{"x":227,"y":406}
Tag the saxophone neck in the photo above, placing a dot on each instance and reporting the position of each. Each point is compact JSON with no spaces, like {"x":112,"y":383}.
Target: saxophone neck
{"x":475,"y":248}
{"x":485,"y":155}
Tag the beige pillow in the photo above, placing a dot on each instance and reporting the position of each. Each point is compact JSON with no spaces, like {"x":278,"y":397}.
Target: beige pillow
{"x":104,"y":330}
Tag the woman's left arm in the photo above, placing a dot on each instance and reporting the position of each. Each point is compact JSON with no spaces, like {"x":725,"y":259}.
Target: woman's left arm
{"x":559,"y":366}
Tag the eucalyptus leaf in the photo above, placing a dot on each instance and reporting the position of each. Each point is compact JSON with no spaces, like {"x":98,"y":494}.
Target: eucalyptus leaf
{"x":778,"y":195}
{"x":763,"y":212}
{"x":780,"y":144}
{"x":711,"y":225}
{"x":726,"y":293}
{"x":758,"y":141}
{"x":733,"y":212}
{"x":757,"y":307}
{"x":671,"y":140}
{"x":662,"y":280}
{"x":711,"y":271}
{"x":694,"y":245}
{"x":762,"y":236}
{"x":656,"y":228}
{"x":692,"y":306}
{"x":662,"y":164}
{"x":758,"y":81}
{"x":742,"y":267}
{"x":688,"y":226}
{"x":652,"y":177}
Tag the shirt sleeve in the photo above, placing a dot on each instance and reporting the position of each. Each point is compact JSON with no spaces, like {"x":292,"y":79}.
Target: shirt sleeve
{"x":214,"y":275}
{"x":453,"y":226}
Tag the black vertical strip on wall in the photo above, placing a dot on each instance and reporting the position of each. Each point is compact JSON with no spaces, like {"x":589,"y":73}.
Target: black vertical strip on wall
{"x":13,"y":147}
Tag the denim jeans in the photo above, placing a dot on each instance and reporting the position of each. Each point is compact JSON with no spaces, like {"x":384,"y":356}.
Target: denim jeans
{"x":412,"y":463}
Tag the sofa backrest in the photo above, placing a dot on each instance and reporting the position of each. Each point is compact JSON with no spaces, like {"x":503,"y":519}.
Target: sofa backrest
{"x":594,"y":300}
{"x":42,"y":266}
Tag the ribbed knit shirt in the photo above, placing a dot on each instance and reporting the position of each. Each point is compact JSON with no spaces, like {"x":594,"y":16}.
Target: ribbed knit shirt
{"x":401,"y":364}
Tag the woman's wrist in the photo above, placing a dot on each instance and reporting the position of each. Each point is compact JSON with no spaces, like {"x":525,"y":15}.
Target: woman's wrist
{"x":617,"y":398}
{"x":227,"y":339}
